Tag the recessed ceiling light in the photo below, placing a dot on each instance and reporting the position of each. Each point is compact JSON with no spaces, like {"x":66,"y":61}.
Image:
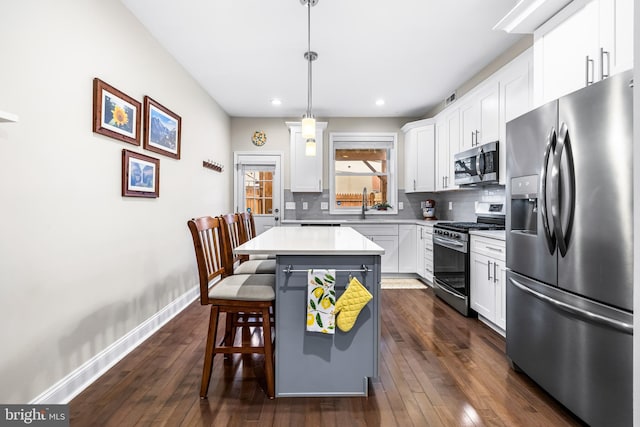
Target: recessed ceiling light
{"x":276,"y":101}
{"x":380,"y":102}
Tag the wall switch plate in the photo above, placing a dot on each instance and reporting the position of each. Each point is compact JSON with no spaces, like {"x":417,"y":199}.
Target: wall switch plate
{"x":324,"y":206}
{"x":305,"y":206}
{"x":400,"y":205}
{"x":450,"y":206}
{"x":290,"y":206}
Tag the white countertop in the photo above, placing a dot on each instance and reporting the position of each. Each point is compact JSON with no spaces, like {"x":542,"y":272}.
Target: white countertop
{"x":492,"y":234}
{"x":346,"y":222}
{"x":310,"y":241}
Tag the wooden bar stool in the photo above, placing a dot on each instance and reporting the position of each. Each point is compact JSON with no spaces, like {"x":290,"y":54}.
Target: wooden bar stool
{"x":236,"y":295}
{"x":249,"y":232}
{"x":235,"y":236}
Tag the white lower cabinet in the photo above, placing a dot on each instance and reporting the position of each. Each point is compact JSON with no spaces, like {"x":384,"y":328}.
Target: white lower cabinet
{"x":488,"y":281}
{"x":424,"y":251}
{"x":407,"y":256}
{"x":386,"y":236}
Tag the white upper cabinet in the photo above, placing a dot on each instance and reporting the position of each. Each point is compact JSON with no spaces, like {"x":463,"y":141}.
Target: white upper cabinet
{"x":516,"y":98}
{"x":447,"y":144}
{"x":305,"y":171}
{"x":419,"y":152}
{"x":582,"y":44}
{"x":479,"y":116}
{"x":616,"y":36}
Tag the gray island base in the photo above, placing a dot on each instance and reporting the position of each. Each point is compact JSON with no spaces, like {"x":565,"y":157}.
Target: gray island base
{"x":316,"y":364}
{"x":313,"y":363}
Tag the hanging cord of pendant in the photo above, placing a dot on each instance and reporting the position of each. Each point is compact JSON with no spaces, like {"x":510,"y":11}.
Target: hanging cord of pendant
{"x":309,"y":55}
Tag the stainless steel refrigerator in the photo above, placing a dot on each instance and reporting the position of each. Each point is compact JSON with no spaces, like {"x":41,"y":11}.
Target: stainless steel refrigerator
{"x":570,"y":249}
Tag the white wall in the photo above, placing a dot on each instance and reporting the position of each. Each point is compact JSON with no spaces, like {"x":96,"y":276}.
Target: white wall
{"x":80,"y":266}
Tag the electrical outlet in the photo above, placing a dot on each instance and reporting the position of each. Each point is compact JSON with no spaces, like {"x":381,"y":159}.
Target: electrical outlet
{"x":400,"y":205}
{"x":324,"y":206}
{"x":450,"y":206}
{"x":290,"y":206}
{"x":305,"y":206}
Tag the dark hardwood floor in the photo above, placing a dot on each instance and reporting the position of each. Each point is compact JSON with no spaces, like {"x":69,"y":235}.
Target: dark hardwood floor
{"x":437,"y":368}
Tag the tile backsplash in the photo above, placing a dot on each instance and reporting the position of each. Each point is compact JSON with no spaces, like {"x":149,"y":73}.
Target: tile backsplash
{"x":462,"y":204}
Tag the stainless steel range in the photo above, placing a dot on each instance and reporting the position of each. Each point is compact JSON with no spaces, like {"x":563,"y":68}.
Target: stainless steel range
{"x":451,"y":254}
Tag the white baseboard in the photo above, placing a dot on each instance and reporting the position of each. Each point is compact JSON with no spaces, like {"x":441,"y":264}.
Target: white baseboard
{"x":70,"y":386}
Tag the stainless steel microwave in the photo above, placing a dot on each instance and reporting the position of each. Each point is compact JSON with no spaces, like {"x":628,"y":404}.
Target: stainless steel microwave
{"x":478,"y":165}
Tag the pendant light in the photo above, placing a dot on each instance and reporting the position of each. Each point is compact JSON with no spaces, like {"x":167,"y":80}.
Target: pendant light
{"x":308,"y":121}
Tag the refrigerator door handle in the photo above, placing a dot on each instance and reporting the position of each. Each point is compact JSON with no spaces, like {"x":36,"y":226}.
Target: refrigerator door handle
{"x":563,"y":147}
{"x":627,"y":328}
{"x":548,"y":231}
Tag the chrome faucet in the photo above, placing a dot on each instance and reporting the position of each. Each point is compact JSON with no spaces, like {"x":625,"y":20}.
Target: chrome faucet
{"x":364,"y":201}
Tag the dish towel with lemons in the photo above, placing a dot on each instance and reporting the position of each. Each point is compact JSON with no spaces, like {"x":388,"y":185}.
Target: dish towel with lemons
{"x":321,"y":301}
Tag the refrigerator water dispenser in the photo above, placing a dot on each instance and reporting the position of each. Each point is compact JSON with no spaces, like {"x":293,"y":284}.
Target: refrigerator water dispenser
{"x":524,"y":204}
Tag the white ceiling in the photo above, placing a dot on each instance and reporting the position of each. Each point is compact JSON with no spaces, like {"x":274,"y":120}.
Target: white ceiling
{"x":411,"y":53}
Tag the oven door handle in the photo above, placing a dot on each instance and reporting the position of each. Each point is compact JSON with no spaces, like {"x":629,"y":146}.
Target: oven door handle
{"x":449,"y":291}
{"x":451,"y":244}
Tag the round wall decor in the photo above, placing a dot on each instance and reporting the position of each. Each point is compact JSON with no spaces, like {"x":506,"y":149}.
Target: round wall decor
{"x":259,"y":138}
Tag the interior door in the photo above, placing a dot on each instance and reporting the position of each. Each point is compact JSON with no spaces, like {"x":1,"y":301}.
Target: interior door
{"x":258,"y":188}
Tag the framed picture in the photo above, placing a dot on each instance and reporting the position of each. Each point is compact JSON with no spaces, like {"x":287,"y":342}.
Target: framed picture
{"x":115,"y":114}
{"x":140,"y":175}
{"x":161,"y":129}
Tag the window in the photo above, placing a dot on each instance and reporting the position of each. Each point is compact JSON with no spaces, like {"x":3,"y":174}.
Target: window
{"x":362,"y":167}
{"x":258,"y":190}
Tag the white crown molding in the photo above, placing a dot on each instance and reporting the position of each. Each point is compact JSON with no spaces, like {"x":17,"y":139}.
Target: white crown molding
{"x":528,"y":15}
{"x":70,"y":386}
{"x":8,"y":117}
{"x":418,"y":123}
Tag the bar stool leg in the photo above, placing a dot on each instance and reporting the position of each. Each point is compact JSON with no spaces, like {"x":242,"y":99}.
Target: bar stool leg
{"x":268,"y":353}
{"x":209,"y":351}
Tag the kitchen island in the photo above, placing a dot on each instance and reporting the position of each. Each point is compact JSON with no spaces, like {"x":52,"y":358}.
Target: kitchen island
{"x":312,"y":363}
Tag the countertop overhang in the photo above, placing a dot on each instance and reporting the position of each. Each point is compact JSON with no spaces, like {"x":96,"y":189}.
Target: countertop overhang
{"x":310,"y":241}
{"x":347,"y":222}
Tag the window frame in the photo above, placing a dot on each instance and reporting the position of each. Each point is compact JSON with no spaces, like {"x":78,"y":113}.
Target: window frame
{"x":364,"y":140}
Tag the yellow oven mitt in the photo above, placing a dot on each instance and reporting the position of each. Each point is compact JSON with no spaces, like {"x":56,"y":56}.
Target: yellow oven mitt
{"x":349,"y":305}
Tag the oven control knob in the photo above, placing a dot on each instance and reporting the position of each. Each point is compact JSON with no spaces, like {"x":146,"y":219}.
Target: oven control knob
{"x":446,"y":233}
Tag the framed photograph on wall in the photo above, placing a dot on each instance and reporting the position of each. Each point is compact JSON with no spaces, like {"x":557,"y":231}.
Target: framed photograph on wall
{"x":162,"y":129}
{"x":115,"y":114}
{"x":140,"y":175}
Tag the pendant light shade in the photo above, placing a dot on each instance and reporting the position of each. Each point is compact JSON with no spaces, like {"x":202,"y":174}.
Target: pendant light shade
{"x":310,"y":147}
{"x":309,"y":128}
{"x":308,"y":121}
